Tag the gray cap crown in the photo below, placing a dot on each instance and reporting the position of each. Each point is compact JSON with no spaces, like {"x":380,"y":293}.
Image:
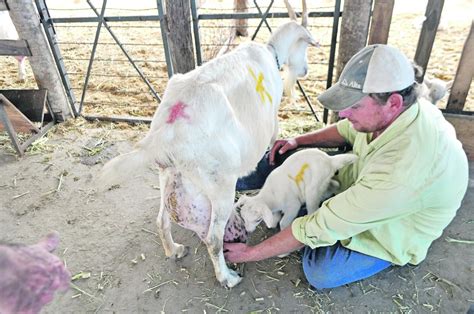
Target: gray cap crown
{"x":374,"y":69}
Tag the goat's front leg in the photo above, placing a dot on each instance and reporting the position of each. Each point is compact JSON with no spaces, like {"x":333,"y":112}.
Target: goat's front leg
{"x":222,"y":205}
{"x":290,"y":214}
{"x":171,"y":248}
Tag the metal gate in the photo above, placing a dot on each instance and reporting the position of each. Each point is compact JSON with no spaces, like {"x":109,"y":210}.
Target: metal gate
{"x":115,"y":61}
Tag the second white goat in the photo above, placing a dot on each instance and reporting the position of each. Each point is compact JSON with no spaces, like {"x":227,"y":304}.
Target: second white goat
{"x":304,"y":178}
{"x":8,"y":31}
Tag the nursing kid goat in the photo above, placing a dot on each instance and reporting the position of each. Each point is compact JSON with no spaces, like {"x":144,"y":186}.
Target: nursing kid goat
{"x":212,"y":127}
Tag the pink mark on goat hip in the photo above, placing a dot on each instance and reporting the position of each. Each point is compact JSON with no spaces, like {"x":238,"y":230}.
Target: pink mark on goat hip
{"x":177,"y":111}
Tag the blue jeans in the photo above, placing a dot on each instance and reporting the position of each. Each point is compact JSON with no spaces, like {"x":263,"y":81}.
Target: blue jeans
{"x":256,"y":179}
{"x":334,"y":266}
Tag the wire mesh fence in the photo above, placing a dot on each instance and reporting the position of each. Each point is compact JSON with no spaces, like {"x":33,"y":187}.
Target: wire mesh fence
{"x":114,"y":87}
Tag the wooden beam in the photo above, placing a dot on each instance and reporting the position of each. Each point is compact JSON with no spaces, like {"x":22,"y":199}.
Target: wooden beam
{"x":353,"y":36}
{"x":381,"y":20}
{"x":464,"y":125}
{"x":427,"y":35}
{"x":14,"y":48}
{"x":354,"y":30}
{"x":31,"y":102}
{"x":25,"y":16}
{"x":178,"y":16}
{"x":464,"y":75}
{"x":15,"y":117}
{"x":3,"y":5}
{"x":241,"y":25}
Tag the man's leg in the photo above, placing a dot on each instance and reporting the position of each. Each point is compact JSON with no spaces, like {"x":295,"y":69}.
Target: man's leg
{"x":334,"y":266}
{"x":256,"y":179}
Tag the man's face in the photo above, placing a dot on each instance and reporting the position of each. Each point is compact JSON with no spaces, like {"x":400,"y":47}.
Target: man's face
{"x":367,"y":115}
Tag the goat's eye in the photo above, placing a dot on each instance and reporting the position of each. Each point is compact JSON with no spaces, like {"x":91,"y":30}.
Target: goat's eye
{"x":336,"y":173}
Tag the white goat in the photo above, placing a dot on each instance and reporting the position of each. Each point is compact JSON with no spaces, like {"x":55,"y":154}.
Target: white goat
{"x":434,"y":89}
{"x":304,"y":178}
{"x":8,"y":31}
{"x":212,"y":127}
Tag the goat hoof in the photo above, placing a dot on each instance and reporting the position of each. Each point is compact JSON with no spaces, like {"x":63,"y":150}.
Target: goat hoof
{"x":181,"y":251}
{"x":232,"y":280}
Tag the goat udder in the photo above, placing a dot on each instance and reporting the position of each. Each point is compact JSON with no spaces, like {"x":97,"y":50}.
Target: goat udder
{"x":235,"y":230}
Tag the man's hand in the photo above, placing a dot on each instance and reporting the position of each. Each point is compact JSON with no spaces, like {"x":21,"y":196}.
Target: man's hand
{"x":281,"y":243}
{"x":236,"y":252}
{"x":282,"y":146}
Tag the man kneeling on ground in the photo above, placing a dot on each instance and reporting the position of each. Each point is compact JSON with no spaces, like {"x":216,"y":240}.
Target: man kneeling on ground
{"x":396,"y":199}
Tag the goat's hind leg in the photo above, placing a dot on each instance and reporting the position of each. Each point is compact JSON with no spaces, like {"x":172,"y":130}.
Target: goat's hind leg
{"x":163,"y":222}
{"x":222,"y":200}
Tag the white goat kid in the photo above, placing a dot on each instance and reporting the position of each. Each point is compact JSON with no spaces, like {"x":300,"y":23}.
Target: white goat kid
{"x":304,"y":178}
{"x":434,"y":89}
{"x":8,"y":31}
{"x":212,"y":127}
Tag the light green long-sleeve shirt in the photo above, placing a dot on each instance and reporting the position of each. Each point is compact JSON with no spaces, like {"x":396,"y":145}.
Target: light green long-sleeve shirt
{"x":402,"y":192}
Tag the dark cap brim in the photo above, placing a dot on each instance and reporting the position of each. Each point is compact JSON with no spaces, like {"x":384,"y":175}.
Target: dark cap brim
{"x":338,"y":97}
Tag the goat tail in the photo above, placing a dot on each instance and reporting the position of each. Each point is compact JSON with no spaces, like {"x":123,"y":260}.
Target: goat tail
{"x":129,"y":165}
{"x":121,"y":168}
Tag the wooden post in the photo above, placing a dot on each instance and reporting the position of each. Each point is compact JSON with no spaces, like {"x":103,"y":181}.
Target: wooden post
{"x":463,"y":125}
{"x":25,"y":17}
{"x":354,"y":30}
{"x":178,"y":15}
{"x":381,"y":20}
{"x":10,"y":47}
{"x":241,"y":26}
{"x":464,"y":75}
{"x":353,"y":36}
{"x":427,"y":35}
{"x":3,"y":5}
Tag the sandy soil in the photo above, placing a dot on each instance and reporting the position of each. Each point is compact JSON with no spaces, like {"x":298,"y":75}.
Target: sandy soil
{"x":110,"y":239}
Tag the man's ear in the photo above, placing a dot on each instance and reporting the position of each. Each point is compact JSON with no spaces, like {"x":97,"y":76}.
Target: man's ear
{"x":395,"y":101}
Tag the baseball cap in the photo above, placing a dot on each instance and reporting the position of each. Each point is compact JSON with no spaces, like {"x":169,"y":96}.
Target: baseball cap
{"x":374,"y":69}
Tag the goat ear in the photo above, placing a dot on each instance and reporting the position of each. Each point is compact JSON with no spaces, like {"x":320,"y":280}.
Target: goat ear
{"x":241,"y":201}
{"x":313,"y":42}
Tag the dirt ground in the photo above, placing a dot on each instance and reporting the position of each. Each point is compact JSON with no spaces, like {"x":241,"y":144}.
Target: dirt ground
{"x":109,"y":242}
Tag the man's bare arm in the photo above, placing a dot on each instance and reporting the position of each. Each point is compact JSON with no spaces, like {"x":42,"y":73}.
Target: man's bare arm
{"x":280,"y":243}
{"x":327,"y":137}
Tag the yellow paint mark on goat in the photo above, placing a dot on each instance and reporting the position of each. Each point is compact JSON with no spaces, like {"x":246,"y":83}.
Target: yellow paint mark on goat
{"x":259,"y":86}
{"x":300,"y":175}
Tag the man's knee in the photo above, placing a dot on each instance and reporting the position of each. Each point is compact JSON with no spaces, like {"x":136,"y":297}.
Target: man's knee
{"x":322,"y":278}
{"x":318,"y":270}
{"x":335,"y":266}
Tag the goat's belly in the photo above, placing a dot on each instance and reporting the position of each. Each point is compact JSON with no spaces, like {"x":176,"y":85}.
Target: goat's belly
{"x":187,"y":207}
{"x":190,"y":209}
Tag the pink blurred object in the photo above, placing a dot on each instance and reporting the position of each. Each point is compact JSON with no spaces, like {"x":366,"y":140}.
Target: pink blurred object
{"x":30,"y":275}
